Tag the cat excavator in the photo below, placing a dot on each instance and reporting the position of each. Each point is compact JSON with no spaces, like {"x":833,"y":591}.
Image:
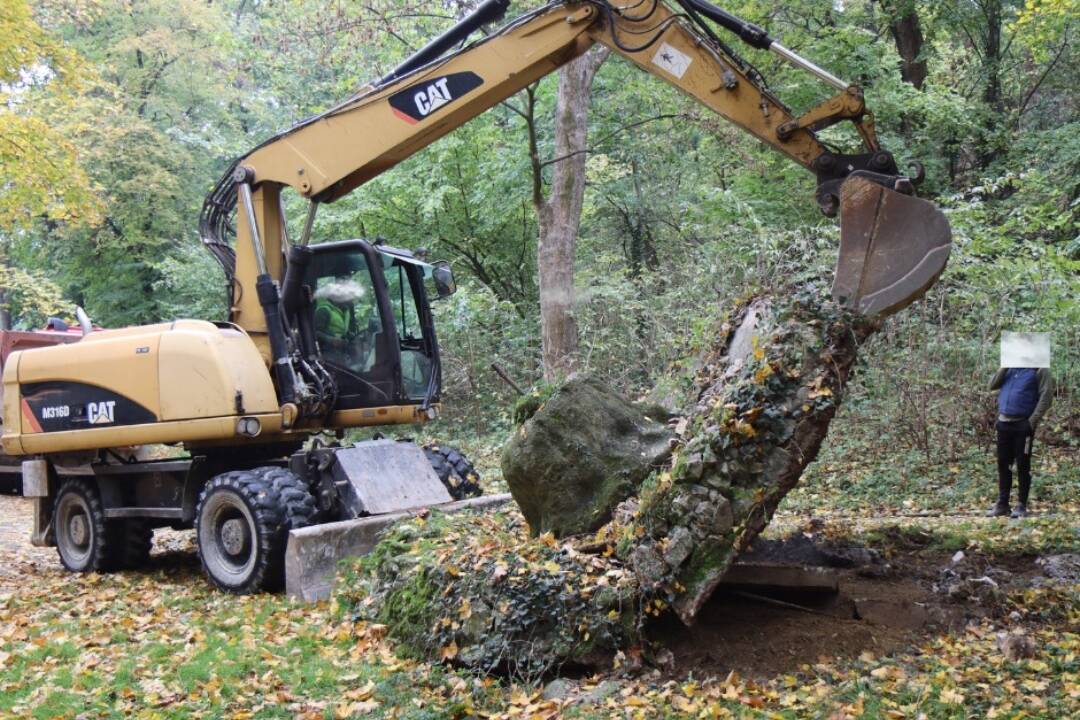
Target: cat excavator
{"x":322,"y":337}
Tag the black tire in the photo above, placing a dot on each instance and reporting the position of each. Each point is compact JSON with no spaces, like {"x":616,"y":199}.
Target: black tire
{"x":455,"y":471}
{"x":242,"y":523}
{"x":85,"y":541}
{"x":134,"y":537}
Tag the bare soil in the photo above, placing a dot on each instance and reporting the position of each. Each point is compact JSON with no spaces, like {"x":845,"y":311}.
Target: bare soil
{"x":760,"y":639}
{"x":764,"y":635}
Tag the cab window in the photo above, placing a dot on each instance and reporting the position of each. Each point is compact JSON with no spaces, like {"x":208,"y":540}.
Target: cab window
{"x":349,"y":329}
{"x":404,"y":281}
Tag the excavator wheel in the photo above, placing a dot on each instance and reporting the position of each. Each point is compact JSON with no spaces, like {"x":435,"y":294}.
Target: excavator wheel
{"x":132,"y":540}
{"x":455,"y":471}
{"x":242,"y":524}
{"x":85,"y":540}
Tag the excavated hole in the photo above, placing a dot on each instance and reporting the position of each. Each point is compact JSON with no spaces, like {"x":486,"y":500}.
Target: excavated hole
{"x":761,"y":630}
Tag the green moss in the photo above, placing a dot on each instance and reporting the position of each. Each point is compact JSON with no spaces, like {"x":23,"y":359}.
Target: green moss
{"x":410,"y":611}
{"x":527,"y":405}
{"x":708,"y":556}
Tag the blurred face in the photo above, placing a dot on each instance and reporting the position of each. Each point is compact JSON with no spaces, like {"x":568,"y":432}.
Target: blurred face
{"x":341,"y":291}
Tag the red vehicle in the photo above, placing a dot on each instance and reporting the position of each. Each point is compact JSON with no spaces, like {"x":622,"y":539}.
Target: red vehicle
{"x":55,"y":333}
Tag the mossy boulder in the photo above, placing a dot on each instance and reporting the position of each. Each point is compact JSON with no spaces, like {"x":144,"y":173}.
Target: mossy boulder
{"x":581,"y":453}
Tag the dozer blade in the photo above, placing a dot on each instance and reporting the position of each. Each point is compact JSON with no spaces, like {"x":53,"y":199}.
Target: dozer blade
{"x":379,"y":483}
{"x":893,"y":247}
{"x":314,"y":553}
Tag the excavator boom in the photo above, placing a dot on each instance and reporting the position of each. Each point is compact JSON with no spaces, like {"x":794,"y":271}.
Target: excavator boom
{"x":894,"y":245}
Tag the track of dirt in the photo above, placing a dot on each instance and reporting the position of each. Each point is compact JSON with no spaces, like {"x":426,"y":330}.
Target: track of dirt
{"x":761,"y":639}
{"x":762,"y":635}
{"x":22,"y":561}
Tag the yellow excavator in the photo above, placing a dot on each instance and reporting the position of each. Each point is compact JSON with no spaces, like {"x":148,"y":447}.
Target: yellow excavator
{"x":333,"y":335}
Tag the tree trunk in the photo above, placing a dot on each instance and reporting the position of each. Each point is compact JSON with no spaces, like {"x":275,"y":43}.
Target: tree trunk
{"x":5,"y":311}
{"x":908,"y":36}
{"x":770,"y":379}
{"x":559,"y":214}
{"x":992,"y":57}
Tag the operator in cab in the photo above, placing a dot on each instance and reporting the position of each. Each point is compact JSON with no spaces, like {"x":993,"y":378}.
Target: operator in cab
{"x":337,"y":304}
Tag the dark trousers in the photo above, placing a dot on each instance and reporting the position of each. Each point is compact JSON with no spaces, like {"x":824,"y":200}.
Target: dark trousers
{"x":1014,"y":445}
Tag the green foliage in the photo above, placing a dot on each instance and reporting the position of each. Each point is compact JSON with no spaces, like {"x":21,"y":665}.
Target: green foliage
{"x":41,"y":171}
{"x":147,"y":103}
{"x":29,"y":297}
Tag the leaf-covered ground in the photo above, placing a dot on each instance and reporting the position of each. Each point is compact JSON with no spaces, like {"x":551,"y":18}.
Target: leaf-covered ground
{"x":161,"y":644}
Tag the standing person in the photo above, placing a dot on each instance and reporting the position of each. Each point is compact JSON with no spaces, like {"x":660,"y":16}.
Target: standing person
{"x":1024,"y":396}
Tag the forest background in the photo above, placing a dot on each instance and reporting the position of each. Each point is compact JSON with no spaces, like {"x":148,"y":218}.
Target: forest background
{"x":116,"y":118}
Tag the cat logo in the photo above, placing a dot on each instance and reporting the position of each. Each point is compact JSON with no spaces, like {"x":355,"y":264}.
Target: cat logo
{"x":415,"y":103}
{"x":433,"y":97}
{"x":101,"y":413}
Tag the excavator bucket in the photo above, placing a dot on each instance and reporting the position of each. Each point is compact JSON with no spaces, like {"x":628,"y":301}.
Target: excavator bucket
{"x":893,"y":247}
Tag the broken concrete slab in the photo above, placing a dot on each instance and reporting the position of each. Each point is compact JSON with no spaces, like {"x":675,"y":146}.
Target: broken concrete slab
{"x":794,"y":578}
{"x":765,"y":394}
{"x":313,"y":553}
{"x":801,"y":549}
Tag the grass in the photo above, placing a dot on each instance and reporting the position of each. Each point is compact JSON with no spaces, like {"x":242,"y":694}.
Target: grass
{"x":863,"y":480}
{"x":161,"y":644}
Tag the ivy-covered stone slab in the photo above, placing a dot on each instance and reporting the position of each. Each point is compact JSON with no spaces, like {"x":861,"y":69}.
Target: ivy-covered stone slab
{"x":763,"y":400}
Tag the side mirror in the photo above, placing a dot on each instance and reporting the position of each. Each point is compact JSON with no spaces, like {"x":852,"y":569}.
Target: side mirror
{"x":444,"y":279}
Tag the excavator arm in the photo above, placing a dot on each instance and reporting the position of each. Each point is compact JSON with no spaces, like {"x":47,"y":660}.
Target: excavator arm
{"x":893,"y":244}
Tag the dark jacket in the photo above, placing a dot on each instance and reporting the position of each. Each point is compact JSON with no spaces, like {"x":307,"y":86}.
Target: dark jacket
{"x":1024,"y":392}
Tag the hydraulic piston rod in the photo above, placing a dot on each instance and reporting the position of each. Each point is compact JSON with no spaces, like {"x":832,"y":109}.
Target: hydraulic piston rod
{"x":488,"y":12}
{"x":800,"y":62}
{"x":755,"y":36}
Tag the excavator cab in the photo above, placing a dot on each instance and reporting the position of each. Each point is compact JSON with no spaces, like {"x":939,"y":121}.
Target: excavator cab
{"x":369,"y":308}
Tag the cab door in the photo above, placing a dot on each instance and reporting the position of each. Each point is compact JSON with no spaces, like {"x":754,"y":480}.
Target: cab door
{"x":354,"y":323}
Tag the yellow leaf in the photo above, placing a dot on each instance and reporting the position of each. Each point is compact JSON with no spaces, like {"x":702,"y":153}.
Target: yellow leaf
{"x":361,"y":693}
{"x":952,"y":697}
{"x":744,"y":429}
{"x":763,"y":373}
{"x":449,"y":652}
